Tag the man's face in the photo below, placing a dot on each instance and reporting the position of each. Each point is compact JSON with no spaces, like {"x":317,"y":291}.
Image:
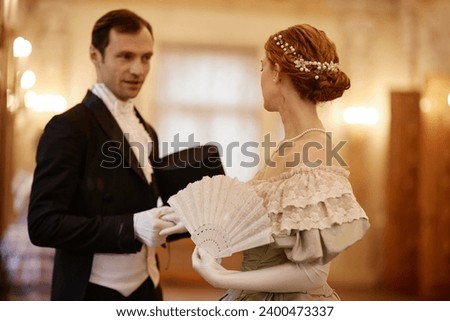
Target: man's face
{"x":125,"y":62}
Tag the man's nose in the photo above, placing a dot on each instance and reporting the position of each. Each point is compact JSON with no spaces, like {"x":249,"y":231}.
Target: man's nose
{"x":137,"y":67}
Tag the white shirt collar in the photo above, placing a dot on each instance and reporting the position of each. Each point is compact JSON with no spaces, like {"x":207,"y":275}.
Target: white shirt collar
{"x":114,"y":104}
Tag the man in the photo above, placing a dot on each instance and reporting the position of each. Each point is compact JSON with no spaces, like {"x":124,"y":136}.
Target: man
{"x":93,"y":196}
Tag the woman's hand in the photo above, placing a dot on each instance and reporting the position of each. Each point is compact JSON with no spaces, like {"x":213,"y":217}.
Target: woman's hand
{"x":286,"y":277}
{"x":209,"y":267}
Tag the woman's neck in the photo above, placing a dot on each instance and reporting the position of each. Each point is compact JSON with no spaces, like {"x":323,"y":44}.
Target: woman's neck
{"x":297,"y":116}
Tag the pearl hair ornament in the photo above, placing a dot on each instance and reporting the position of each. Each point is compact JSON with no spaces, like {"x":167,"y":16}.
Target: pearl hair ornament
{"x":305,"y":65}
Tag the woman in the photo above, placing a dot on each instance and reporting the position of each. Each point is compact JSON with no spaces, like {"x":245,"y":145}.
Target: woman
{"x":310,"y":202}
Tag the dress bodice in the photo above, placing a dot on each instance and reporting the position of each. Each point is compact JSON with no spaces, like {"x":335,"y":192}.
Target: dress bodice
{"x":314,"y":217}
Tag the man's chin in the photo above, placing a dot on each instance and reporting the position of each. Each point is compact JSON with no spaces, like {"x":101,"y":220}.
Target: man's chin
{"x":133,"y":92}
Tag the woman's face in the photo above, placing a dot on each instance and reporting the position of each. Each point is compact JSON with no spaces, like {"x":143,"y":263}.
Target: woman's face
{"x":269,"y":85}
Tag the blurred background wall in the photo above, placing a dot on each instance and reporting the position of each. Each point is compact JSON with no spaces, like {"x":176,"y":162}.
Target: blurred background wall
{"x":204,"y":84}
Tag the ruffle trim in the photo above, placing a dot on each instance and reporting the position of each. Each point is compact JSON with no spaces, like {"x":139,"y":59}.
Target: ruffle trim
{"x":307,"y":198}
{"x":319,"y":216}
{"x":314,"y":214}
{"x":303,"y":186}
{"x":136,"y":133}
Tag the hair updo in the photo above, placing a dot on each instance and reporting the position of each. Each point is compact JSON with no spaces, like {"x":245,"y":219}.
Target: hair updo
{"x":312,"y":45}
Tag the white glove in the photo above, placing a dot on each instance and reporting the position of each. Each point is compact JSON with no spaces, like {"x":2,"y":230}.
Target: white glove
{"x":177,"y":228}
{"x":209,"y":268}
{"x":286,"y":277}
{"x":148,"y":224}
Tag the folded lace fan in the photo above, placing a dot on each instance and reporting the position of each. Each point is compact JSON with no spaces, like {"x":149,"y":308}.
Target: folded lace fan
{"x":223,"y":215}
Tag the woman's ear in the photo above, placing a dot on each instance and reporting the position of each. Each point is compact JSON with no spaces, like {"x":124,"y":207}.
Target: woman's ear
{"x":276,"y":69}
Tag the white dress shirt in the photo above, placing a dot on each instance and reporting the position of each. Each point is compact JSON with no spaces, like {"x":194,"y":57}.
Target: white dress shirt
{"x":126,"y":272}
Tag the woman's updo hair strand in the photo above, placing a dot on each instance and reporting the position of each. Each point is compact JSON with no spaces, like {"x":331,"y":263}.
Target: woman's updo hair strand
{"x":310,"y":59}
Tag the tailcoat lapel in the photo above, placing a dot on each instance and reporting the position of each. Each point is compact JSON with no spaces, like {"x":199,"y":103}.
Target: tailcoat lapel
{"x":109,"y":125}
{"x":154,"y":155}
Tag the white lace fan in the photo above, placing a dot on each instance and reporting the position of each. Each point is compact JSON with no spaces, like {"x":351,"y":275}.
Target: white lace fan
{"x":223,"y":215}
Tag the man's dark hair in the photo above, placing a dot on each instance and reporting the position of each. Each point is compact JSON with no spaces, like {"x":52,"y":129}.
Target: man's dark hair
{"x":121,"y":20}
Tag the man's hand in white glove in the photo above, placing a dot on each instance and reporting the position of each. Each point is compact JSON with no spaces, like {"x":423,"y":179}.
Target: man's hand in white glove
{"x":178,"y":225}
{"x":148,"y":224}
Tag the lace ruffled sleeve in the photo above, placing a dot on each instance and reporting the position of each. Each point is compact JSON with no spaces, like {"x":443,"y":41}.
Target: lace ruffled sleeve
{"x":314,"y":213}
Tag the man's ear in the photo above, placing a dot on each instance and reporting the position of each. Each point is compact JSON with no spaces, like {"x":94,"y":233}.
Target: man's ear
{"x":95,"y":55}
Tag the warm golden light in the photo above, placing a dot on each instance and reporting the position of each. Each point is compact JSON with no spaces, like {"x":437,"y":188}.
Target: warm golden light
{"x":360,"y":115}
{"x":22,"y":47}
{"x":425,"y":104}
{"x":27,"y":80}
{"x":52,"y":103}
